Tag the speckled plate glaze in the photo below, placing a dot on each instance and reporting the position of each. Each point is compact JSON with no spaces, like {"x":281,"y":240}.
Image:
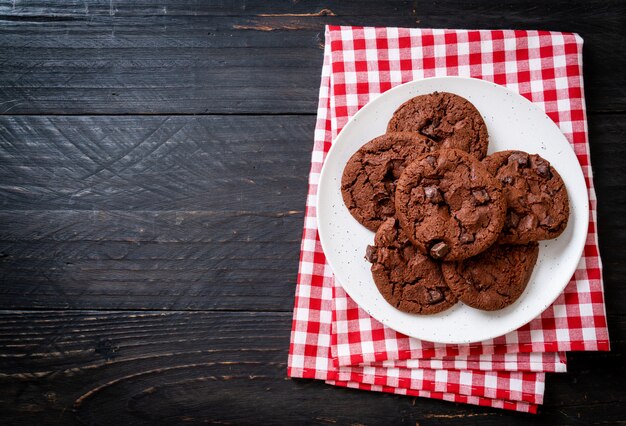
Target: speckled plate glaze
{"x":513,"y":123}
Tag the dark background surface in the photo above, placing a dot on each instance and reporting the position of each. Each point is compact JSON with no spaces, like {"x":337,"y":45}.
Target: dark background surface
{"x":153,"y":171}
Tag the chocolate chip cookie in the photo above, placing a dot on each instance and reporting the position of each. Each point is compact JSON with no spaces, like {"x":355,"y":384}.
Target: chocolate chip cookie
{"x":369,"y":178}
{"x":493,"y":279}
{"x":448,"y":119}
{"x":407,"y":279}
{"x":537,"y":201}
{"x":449,"y":205}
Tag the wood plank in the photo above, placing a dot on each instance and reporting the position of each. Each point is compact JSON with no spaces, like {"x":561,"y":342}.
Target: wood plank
{"x":244,"y":163}
{"x":196,"y":58}
{"x":167,"y":367}
{"x":210,"y":227}
{"x":194,"y":8}
{"x":227,"y":276}
{"x":161,"y":260}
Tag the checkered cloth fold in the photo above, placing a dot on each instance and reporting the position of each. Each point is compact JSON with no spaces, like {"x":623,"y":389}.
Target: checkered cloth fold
{"x":547,"y":362}
{"x":336,"y":341}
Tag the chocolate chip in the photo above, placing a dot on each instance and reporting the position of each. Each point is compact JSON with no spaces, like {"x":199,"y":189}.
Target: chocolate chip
{"x":506,"y":179}
{"x":548,"y":222}
{"x":481,"y":196}
{"x":380,"y":197}
{"x":370,"y":254}
{"x":432,"y":194}
{"x":543,"y":170}
{"x":521,"y":158}
{"x":430,"y":191}
{"x":434,"y":295}
{"x":430,"y":130}
{"x":512,"y":219}
{"x":439,"y":250}
{"x":528,"y":222}
{"x":384,"y":203}
{"x":466,"y":238}
{"x":384,"y":255}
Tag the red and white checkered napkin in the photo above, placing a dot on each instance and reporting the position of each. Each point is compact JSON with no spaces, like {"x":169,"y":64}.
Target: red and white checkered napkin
{"x":332,"y":338}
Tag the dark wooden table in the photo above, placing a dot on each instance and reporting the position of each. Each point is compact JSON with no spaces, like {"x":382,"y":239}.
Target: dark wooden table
{"x":153,"y":173}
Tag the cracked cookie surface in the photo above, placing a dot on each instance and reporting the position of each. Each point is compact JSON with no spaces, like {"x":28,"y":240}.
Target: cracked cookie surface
{"x":537,"y":201}
{"x":449,"y":205}
{"x":369,"y":178}
{"x":407,"y":279}
{"x":495,"y":278}
{"x":449,"y":119}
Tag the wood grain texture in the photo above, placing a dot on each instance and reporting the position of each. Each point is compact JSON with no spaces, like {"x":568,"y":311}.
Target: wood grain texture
{"x":220,"y":164}
{"x":196,"y":57}
{"x":158,"y":212}
{"x":203,"y":367}
{"x":274,"y":8}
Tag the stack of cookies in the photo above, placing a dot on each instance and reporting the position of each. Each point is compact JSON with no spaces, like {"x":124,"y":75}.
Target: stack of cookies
{"x":451,"y":223}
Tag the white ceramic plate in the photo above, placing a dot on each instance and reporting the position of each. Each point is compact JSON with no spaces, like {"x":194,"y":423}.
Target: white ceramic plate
{"x":513,"y":123}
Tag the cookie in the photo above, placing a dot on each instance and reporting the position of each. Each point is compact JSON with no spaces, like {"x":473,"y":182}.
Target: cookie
{"x":407,"y":279}
{"x":369,"y":177}
{"x":449,"y":205}
{"x":537,"y":201}
{"x":448,"y":119}
{"x":493,"y":279}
